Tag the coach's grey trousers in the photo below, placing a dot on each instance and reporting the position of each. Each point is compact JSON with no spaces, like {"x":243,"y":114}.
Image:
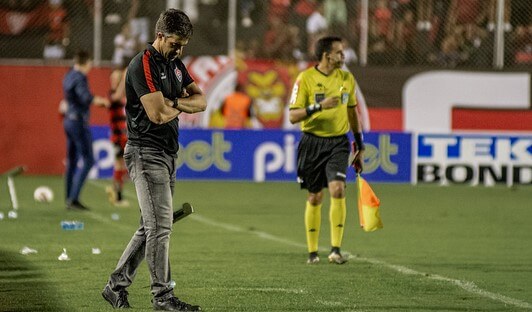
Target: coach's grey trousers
{"x":153,"y":172}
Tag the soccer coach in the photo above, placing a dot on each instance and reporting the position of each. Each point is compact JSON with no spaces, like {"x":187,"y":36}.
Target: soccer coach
{"x":156,"y":80}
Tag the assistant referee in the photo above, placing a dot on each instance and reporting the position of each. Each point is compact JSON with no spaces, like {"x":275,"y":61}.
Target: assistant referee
{"x":323,"y":100}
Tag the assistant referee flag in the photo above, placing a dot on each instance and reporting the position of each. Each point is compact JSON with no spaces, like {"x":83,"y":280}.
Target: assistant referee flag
{"x":368,"y":206}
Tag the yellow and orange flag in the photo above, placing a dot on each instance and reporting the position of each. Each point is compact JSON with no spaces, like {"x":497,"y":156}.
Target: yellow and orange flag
{"x":368,"y":206}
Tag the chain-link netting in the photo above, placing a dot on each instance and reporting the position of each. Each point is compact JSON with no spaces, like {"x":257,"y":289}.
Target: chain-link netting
{"x":436,"y":33}
{"x":56,"y":29}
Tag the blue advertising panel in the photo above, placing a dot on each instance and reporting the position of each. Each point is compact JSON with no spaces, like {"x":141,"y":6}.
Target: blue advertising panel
{"x":238,"y":154}
{"x":267,"y":155}
{"x":103,"y":152}
{"x":388,"y":157}
{"x":474,"y":159}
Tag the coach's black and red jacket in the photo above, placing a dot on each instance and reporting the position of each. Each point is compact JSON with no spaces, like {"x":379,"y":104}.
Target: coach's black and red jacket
{"x":149,"y":72}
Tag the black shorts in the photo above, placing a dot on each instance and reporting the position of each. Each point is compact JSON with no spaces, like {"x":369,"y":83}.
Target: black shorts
{"x":321,"y":160}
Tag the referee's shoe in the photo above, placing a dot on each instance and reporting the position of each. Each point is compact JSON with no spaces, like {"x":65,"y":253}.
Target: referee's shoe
{"x":313,"y":258}
{"x":336,"y":257}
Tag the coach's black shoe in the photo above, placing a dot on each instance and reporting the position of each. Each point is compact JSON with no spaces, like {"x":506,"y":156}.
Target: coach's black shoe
{"x":76,"y":205}
{"x":117,"y":299}
{"x":173,"y":304}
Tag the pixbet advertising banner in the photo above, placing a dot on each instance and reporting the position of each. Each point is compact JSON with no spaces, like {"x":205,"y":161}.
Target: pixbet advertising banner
{"x":267,"y":155}
{"x":474,"y":159}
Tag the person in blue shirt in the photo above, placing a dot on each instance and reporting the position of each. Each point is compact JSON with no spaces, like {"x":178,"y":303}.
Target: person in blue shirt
{"x":76,"y":123}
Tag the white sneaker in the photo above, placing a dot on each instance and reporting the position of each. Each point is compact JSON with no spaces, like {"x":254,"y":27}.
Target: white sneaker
{"x":313,"y":259}
{"x":121,"y":203}
{"x":335,"y":257}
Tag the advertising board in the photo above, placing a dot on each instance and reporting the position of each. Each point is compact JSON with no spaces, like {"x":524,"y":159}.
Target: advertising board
{"x":474,"y":159}
{"x":267,"y":155}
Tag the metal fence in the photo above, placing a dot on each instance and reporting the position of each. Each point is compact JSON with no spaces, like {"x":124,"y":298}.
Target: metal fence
{"x":436,"y":33}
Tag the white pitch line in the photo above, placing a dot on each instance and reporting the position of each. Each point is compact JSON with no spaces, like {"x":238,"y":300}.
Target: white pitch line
{"x":330,"y":303}
{"x":99,"y":217}
{"x":466,"y":285}
{"x":268,"y":289}
{"x":235,"y":228}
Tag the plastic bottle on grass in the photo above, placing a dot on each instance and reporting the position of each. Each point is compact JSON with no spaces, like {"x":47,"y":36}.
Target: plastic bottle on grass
{"x":72,"y":225}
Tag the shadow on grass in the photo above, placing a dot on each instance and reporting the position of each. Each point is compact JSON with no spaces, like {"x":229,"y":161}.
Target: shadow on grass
{"x":23,"y":287}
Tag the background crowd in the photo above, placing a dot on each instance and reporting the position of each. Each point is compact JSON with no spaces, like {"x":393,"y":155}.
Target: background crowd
{"x":443,"y":33}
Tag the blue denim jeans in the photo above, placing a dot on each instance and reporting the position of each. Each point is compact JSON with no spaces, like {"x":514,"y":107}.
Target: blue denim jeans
{"x":79,"y":147}
{"x":153,"y":173}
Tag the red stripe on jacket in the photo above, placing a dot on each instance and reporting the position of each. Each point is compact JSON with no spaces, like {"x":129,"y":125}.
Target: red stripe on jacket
{"x":147,"y":71}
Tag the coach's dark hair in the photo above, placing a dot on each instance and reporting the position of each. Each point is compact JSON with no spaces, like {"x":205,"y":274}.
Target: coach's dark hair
{"x":81,"y":57}
{"x":325,"y":45}
{"x":174,"y":22}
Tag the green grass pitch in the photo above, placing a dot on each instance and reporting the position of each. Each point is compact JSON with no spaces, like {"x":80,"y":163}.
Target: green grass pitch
{"x":441,"y":249}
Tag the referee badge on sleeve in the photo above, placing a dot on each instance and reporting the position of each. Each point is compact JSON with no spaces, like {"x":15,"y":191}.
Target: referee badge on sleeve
{"x":345,"y":97}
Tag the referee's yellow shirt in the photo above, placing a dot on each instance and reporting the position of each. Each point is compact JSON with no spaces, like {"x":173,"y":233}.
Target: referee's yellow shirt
{"x":312,"y":86}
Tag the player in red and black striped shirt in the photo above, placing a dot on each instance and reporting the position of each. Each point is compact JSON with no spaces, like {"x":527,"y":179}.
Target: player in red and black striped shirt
{"x":118,"y":125}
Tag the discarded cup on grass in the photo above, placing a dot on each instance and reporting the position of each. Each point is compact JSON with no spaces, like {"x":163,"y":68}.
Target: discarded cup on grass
{"x":96,"y":251}
{"x":63,"y":256}
{"x":115,"y":217}
{"x":27,"y":250}
{"x":12,"y":214}
{"x":72,"y":225}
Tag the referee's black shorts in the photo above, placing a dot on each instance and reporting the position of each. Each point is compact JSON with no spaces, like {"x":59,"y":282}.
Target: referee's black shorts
{"x":321,"y":160}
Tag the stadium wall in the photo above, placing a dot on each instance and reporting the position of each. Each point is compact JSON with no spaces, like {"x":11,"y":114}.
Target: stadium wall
{"x":31,"y":131}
